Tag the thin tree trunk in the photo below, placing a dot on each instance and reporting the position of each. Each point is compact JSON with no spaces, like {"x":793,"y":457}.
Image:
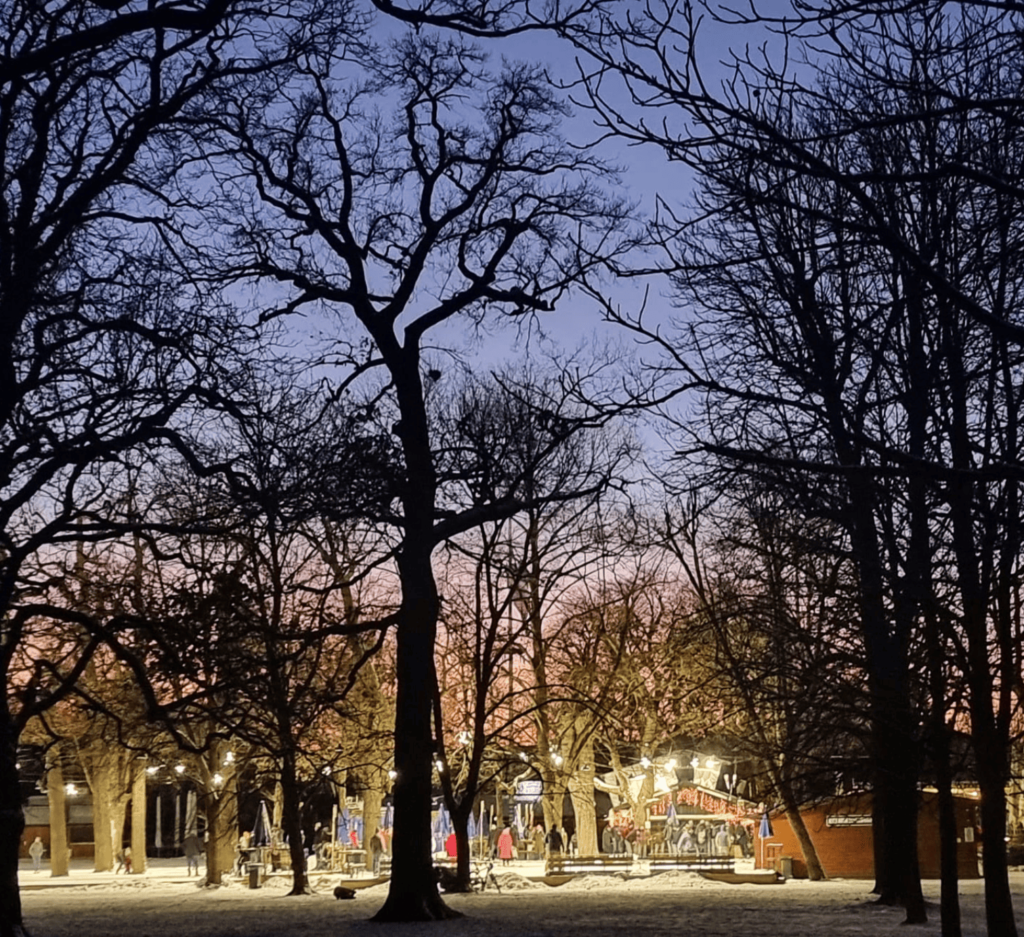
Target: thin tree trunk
{"x":57,"y":799}
{"x":139,"y":820}
{"x":815,"y":871}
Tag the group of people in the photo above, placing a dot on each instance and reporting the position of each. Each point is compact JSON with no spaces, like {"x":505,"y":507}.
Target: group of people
{"x":504,"y":844}
{"x":705,"y":838}
{"x":700,"y":837}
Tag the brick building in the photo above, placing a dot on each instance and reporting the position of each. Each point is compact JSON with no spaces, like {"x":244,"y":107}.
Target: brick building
{"x":841,"y":831}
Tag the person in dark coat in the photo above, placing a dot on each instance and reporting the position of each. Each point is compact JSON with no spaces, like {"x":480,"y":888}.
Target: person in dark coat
{"x":193,"y":850}
{"x":554,"y":841}
{"x":377,"y":850}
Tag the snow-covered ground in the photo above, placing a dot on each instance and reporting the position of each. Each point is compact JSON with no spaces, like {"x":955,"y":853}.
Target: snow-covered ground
{"x":163,"y":902}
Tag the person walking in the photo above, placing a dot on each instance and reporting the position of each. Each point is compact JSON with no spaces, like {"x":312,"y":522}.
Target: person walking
{"x":36,"y":850}
{"x":193,"y":850}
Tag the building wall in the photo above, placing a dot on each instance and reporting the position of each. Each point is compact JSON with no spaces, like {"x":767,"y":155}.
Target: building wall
{"x":841,"y":831}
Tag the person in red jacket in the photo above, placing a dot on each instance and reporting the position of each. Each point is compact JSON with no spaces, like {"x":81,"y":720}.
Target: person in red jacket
{"x":505,"y":846}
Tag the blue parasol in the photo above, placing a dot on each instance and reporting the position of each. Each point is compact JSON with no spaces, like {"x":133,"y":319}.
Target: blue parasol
{"x":670,"y":814}
{"x":441,"y":827}
{"x":389,"y":817}
{"x":341,"y":834}
{"x":471,"y":826}
{"x":766,"y":830}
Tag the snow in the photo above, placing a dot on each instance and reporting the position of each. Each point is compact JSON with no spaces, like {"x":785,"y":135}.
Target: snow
{"x":164,"y":902}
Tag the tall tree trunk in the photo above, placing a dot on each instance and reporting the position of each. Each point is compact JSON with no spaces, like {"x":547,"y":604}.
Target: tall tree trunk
{"x":460,"y":825}
{"x":12,"y":826}
{"x":893,"y":735}
{"x":949,"y":900}
{"x":581,"y":790}
{"x":102,"y":817}
{"x":413,"y":894}
{"x":139,"y":819}
{"x":277,"y":814}
{"x":57,"y":799}
{"x":291,"y":820}
{"x":221,"y":809}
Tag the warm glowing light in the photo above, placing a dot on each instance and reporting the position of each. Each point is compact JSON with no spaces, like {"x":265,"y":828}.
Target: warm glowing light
{"x":229,"y":758}
{"x":70,"y":790}
{"x":392,"y":774}
{"x":218,"y":780}
{"x":440,"y":765}
{"x":671,"y":764}
{"x":152,"y":769}
{"x":180,"y":769}
{"x":645,"y":762}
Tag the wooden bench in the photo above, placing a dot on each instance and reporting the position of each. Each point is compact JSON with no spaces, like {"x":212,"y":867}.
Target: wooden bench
{"x":692,"y":863}
{"x":572,"y":865}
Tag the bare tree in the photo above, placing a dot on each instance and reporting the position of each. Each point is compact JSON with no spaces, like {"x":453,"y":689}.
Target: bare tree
{"x":462,"y":207}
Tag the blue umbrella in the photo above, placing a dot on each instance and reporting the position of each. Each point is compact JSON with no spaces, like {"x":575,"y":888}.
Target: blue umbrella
{"x":389,"y":817}
{"x":471,"y":826}
{"x":766,"y":830}
{"x":670,"y":814}
{"x":441,"y":827}
{"x":342,"y":832}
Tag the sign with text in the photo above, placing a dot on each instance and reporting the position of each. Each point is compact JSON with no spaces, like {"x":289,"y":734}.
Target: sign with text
{"x":529,"y":792}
